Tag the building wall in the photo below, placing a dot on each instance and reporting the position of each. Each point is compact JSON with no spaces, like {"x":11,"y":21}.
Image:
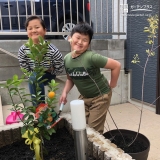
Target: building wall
{"x":136,"y":38}
{"x":101,"y":16}
{"x":119,"y":17}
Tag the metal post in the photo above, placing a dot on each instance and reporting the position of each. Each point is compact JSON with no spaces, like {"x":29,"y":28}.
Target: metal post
{"x":80,"y":140}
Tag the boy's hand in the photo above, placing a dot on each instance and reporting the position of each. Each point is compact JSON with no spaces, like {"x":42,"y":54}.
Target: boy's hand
{"x":63,"y":98}
{"x":111,"y":84}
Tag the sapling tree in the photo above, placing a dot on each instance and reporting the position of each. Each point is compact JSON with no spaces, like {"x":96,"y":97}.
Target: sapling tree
{"x":39,"y":119}
{"x":151,"y":29}
{"x":152,"y":35}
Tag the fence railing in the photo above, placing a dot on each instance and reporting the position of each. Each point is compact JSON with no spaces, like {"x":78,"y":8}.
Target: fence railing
{"x":60,"y":16}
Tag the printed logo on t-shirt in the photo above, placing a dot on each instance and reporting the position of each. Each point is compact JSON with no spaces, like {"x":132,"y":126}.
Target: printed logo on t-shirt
{"x":81,"y":72}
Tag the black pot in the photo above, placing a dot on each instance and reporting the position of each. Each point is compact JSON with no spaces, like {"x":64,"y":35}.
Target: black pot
{"x":142,"y":155}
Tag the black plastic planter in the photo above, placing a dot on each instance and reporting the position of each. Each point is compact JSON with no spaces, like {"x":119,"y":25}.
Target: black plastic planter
{"x":128,"y":134}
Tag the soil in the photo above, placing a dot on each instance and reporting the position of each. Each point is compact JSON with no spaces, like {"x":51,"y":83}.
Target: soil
{"x":60,"y":147}
{"x":136,"y":147}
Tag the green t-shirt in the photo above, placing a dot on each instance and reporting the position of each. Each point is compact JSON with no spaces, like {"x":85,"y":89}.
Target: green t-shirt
{"x":85,"y":73}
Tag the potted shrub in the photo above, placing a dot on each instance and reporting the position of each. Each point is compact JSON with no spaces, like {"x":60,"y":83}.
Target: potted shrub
{"x":38,"y":121}
{"x":135,"y":143}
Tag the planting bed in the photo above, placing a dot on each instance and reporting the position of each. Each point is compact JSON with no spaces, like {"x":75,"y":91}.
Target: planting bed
{"x":61,"y":145}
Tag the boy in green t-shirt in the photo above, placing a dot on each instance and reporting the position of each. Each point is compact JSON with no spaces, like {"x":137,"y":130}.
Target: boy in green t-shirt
{"x":83,"y":70}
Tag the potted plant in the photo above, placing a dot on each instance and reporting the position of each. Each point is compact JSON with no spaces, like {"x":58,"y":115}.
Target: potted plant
{"x":135,"y":143}
{"x":38,"y":121}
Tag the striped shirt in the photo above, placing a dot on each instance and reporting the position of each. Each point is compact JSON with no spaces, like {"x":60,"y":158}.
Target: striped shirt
{"x":53,"y":59}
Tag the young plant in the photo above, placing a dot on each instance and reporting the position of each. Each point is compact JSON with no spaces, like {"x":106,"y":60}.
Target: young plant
{"x":152,"y":35}
{"x":152,"y":32}
{"x":40,"y":118}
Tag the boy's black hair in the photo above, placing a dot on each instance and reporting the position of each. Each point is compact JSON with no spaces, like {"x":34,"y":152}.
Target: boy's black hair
{"x":83,"y":28}
{"x":30,"y":18}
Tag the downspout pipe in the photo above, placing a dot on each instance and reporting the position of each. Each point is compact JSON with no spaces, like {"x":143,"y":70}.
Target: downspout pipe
{"x":158,"y":70}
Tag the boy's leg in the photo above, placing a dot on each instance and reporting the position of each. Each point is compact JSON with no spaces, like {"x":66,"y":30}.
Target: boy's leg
{"x":48,"y":78}
{"x":32,"y":88}
{"x":97,"y":111}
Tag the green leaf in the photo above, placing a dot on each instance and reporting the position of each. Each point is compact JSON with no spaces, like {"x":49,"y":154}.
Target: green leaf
{"x":29,"y":120}
{"x":25,"y":95}
{"x":39,"y":77}
{"x":46,"y":136}
{"x":32,"y":109}
{"x":41,"y":40}
{"x":31,"y":116}
{"x":31,"y":128}
{"x":15,"y":77}
{"x":30,"y":56}
{"x":30,"y":135}
{"x":44,"y":80}
{"x":54,"y":114}
{"x":25,"y":116}
{"x":40,"y":124}
{"x":38,"y":93}
{"x":53,"y":82}
{"x":30,"y":42}
{"x":148,"y":51}
{"x":9,"y":81}
{"x":23,"y":70}
{"x":152,"y":53}
{"x":23,"y":129}
{"x":13,"y":89}
{"x":51,"y":130}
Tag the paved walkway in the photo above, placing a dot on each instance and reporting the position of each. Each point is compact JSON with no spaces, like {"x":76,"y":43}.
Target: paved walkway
{"x":127,"y":116}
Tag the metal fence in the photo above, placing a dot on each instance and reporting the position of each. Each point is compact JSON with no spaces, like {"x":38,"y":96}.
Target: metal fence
{"x":105,"y":16}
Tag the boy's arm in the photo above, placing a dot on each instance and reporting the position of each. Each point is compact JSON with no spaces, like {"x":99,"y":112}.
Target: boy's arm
{"x":57,"y":60}
{"x":22,"y":58}
{"x":68,"y":86}
{"x":115,"y":67}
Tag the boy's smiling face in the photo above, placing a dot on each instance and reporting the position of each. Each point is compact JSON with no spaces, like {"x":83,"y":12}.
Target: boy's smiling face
{"x":79,"y":42}
{"x":35,"y":29}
